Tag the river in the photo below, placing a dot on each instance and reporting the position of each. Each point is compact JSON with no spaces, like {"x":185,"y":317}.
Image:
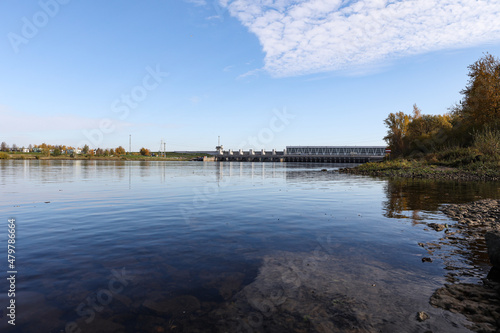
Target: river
{"x":124,"y":246}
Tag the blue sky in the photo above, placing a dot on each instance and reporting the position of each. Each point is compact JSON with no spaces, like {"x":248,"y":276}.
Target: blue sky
{"x":261,"y":74}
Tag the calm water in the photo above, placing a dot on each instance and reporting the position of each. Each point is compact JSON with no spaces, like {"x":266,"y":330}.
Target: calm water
{"x":105,"y":246}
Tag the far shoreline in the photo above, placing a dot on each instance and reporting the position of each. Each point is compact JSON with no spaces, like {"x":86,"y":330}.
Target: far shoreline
{"x":127,"y":157}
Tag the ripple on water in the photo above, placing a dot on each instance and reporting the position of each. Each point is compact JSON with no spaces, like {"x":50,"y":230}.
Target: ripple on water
{"x":217,"y":246}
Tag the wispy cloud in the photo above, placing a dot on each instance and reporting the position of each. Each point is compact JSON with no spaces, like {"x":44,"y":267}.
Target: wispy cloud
{"x":213,"y":17}
{"x":197,"y":2}
{"x":253,"y":72}
{"x":311,"y":36}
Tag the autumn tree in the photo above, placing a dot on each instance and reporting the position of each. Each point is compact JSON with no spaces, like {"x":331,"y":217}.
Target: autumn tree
{"x":120,"y":150}
{"x":4,"y":146}
{"x":426,"y":132}
{"x":111,"y":152}
{"x":397,"y":124}
{"x":144,"y":151}
{"x":99,"y":152}
{"x":85,"y":149}
{"x":481,"y":102}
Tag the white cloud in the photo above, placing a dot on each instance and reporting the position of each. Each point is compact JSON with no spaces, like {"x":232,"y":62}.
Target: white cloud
{"x":310,"y":36}
{"x":213,"y":17}
{"x":197,"y":2}
{"x":253,"y":72}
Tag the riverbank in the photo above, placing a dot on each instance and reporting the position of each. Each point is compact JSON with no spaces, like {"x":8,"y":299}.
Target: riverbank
{"x":479,"y":303}
{"x":127,"y":157}
{"x":478,"y":171}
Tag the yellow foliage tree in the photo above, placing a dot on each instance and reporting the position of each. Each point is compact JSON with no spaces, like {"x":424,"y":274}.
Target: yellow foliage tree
{"x":481,"y":102}
{"x":120,"y":150}
{"x":397,"y":124}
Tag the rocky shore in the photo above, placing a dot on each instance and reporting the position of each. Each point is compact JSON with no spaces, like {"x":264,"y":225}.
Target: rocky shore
{"x":422,"y":172}
{"x":477,"y":218}
{"x":479,"y":303}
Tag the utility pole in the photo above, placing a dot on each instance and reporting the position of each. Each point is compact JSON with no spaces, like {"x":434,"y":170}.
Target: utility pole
{"x":163,"y":151}
{"x":130,"y":143}
{"x":219,"y":148}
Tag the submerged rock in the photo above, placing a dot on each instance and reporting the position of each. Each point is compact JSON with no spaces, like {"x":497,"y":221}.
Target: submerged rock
{"x":31,"y":307}
{"x":479,"y":303}
{"x":422,"y":316}
{"x":174,"y":306}
{"x":320,"y":292}
{"x":437,"y":227}
{"x":227,"y":283}
{"x":493,"y":244}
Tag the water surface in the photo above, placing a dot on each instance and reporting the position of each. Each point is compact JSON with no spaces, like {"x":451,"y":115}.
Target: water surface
{"x":118,"y":246}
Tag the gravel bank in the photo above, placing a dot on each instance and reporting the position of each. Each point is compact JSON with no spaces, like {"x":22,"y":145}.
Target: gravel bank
{"x":479,"y":303}
{"x":439,"y":173}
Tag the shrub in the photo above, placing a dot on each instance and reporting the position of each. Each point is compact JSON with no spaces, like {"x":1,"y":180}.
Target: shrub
{"x":4,"y":156}
{"x":456,"y":157}
{"x":488,"y":142}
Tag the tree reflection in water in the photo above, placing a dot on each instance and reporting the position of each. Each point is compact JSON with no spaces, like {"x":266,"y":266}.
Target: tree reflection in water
{"x":463,"y":254}
{"x":408,"y":198}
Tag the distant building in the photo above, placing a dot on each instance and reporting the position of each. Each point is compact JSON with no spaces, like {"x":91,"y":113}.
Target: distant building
{"x":26,"y":150}
{"x":76,"y":151}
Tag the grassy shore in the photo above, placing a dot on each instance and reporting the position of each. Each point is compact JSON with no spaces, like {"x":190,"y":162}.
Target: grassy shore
{"x":125,"y":157}
{"x":457,"y":164}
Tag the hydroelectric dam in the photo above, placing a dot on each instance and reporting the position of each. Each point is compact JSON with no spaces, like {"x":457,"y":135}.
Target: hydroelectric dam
{"x":314,"y":154}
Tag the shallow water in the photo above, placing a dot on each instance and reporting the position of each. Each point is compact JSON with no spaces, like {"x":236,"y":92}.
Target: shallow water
{"x":107,"y":246}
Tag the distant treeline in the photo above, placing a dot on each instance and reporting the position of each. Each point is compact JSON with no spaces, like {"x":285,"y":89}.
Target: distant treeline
{"x":472,"y":126}
{"x":57,"y":150}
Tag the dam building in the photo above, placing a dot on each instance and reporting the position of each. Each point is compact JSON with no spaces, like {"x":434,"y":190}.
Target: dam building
{"x":317,"y":154}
